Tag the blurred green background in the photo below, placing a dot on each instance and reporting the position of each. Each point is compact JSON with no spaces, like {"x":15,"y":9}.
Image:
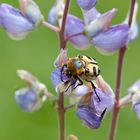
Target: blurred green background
{"x":36,"y":53}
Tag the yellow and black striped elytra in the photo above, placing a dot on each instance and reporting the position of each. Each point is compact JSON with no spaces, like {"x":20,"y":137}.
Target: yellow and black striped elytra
{"x":81,"y":68}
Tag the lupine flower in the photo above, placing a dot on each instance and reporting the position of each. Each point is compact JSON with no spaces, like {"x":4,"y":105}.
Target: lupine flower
{"x":134,"y":26}
{"x":75,"y":25}
{"x":56,"y":12}
{"x":134,"y":90}
{"x":31,"y":98}
{"x":86,"y":4}
{"x":18,"y":23}
{"x":90,"y":109}
{"x":59,"y":85}
{"x":15,"y":24}
{"x":96,"y":30}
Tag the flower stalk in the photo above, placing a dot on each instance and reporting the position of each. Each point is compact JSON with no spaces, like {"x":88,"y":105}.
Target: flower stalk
{"x":118,"y":79}
{"x":60,"y":101}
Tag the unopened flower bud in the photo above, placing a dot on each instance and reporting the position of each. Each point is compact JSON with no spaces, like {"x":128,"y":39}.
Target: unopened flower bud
{"x":56,"y":13}
{"x":134,"y":90}
{"x":61,"y":59}
{"x":72,"y":137}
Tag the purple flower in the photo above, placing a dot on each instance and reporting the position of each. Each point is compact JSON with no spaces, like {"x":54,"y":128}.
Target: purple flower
{"x":31,"y":98}
{"x":61,"y":82}
{"x":106,"y":101}
{"x":86,"y":4}
{"x":136,"y":109}
{"x":114,"y":38}
{"x":75,"y":25}
{"x":31,"y":10}
{"x":52,"y":16}
{"x":96,"y":30}
{"x":89,"y":117}
{"x":134,"y":91}
{"x":100,"y":24}
{"x":94,"y":104}
{"x":134,"y":31}
{"x":90,"y":15}
{"x":15,"y":24}
{"x":56,"y":12}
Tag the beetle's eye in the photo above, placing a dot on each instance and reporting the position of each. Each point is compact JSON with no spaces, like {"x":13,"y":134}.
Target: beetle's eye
{"x":78,"y":64}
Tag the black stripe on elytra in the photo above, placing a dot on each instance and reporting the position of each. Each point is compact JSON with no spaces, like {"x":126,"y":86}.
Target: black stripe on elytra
{"x":94,"y":71}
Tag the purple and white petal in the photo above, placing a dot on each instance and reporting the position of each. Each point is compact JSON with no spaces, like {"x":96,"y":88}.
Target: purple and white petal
{"x":86,"y":4}
{"x":75,"y":25}
{"x":136,"y":109}
{"x":90,"y":15}
{"x":88,"y":116}
{"x":28,"y":99}
{"x":16,"y":25}
{"x":52,"y":16}
{"x":81,"y":90}
{"x":56,"y":77}
{"x":134,"y":31}
{"x":114,"y":38}
{"x":61,"y":58}
{"x":56,"y":12}
{"x":101,"y":23}
{"x":31,"y":10}
{"x":106,"y":101}
{"x":135,"y":87}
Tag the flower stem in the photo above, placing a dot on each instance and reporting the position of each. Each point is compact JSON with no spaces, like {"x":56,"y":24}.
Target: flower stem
{"x":62,"y":31}
{"x":118,"y":86}
{"x":118,"y":79}
{"x":52,"y":27}
{"x":60,"y":101}
{"x":61,"y":115}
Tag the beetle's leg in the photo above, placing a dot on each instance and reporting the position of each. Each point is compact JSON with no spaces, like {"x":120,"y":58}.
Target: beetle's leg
{"x":103,"y":113}
{"x":79,"y":84}
{"x":94,"y":88}
{"x":62,"y":69}
{"x":71,"y":85}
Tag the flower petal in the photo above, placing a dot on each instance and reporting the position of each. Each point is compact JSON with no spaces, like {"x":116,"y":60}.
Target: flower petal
{"x":56,"y":12}
{"x":75,"y":25}
{"x":114,"y":38}
{"x":14,"y":22}
{"x":31,"y":10}
{"x":90,"y":15}
{"x":136,"y":109}
{"x":86,"y":4}
{"x":100,"y":24}
{"x":134,"y":31}
{"x":61,"y":58}
{"x":28,"y":99}
{"x":88,"y":116}
{"x":135,"y":87}
{"x":106,"y":101}
{"x":56,"y":77}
